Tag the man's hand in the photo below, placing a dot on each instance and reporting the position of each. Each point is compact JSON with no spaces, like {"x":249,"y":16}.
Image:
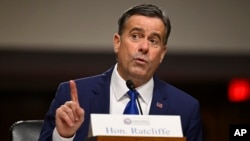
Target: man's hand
{"x":70,"y":116}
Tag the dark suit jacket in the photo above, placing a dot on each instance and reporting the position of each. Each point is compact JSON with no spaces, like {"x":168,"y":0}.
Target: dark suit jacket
{"x":93,"y":94}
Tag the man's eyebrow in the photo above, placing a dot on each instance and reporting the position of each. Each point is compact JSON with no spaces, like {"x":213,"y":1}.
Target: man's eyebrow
{"x":141,"y":30}
{"x":136,"y":29}
{"x":156,"y":34}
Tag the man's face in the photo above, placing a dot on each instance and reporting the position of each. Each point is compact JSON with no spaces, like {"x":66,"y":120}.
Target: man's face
{"x":140,"y":49}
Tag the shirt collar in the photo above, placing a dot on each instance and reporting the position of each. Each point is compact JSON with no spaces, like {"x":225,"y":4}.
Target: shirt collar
{"x":118,"y":85}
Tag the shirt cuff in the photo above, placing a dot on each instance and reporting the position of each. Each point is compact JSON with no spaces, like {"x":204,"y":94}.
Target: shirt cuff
{"x":57,"y":137}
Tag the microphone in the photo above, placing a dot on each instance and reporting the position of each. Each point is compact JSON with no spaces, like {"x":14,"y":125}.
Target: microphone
{"x":131,"y":86}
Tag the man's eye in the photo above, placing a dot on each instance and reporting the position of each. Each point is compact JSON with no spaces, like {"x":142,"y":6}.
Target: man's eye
{"x":154,"y":42}
{"x":135,"y":36}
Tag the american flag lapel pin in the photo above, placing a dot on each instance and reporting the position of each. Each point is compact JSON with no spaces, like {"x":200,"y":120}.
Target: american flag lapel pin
{"x":159,"y":105}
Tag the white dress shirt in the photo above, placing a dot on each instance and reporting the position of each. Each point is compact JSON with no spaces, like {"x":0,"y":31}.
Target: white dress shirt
{"x":119,"y":98}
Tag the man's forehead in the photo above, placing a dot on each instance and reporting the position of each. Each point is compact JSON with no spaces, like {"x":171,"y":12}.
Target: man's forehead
{"x":152,"y":28}
{"x":139,"y":21}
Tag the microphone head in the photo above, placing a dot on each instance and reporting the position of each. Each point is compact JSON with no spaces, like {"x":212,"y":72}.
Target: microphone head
{"x":130,"y":85}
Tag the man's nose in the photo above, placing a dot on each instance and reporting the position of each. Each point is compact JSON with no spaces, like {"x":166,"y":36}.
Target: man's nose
{"x":144,"y":46}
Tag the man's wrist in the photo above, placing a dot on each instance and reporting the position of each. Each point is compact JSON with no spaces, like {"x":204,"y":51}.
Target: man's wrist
{"x":57,"y":137}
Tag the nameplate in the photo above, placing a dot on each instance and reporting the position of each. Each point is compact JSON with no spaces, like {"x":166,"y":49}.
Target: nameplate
{"x":136,"y":125}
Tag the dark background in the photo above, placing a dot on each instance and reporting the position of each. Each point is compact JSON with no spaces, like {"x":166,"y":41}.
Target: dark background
{"x":29,"y":80}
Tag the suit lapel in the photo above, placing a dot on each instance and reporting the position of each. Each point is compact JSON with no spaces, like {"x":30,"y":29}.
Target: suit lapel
{"x":159,"y":101}
{"x":101,"y":98}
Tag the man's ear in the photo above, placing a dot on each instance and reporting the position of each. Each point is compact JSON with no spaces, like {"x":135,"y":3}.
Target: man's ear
{"x":116,"y":42}
{"x":163,"y":53}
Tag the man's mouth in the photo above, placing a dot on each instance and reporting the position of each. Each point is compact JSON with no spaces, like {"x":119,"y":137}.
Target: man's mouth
{"x":140,"y":60}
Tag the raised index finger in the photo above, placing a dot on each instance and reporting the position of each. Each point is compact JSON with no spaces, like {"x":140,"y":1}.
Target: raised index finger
{"x":73,"y":91}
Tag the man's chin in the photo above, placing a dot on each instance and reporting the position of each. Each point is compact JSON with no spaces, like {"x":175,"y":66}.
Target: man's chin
{"x":139,"y":75}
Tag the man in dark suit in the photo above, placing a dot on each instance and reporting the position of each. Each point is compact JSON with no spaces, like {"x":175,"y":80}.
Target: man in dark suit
{"x":140,"y":46}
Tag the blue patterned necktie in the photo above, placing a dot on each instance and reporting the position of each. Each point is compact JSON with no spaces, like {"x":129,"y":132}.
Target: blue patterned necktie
{"x":131,"y":107}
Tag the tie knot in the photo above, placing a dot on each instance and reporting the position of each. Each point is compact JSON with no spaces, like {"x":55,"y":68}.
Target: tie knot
{"x":132,"y":95}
